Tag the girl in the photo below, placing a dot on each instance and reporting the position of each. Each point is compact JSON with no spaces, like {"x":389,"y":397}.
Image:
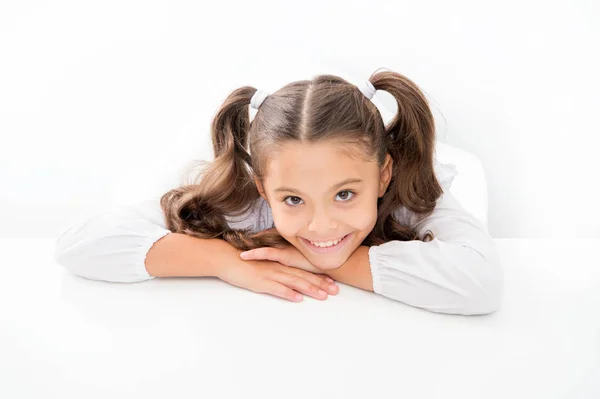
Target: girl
{"x":314,"y":189}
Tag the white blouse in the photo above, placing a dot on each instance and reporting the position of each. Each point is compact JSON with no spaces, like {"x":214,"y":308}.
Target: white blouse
{"x":457,"y":272}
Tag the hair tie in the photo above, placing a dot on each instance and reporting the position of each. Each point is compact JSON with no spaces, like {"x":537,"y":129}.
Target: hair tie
{"x":367,"y":89}
{"x":258,"y":98}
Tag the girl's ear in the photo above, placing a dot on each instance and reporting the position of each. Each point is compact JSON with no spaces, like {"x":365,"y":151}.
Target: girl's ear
{"x":385,"y":174}
{"x":260,"y":187}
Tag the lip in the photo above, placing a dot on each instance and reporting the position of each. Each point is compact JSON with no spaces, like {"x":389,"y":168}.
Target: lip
{"x":328,"y":250}
{"x":324,"y":240}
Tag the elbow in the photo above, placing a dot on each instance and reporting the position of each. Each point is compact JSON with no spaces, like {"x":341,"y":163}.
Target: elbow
{"x":68,"y":249}
{"x":484,"y":301}
{"x":62,"y":255}
{"x":68,"y":255}
{"x":85,"y":260}
{"x":70,"y":264}
{"x":484,"y":293}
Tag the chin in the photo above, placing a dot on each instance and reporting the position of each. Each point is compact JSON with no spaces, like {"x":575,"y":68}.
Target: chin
{"x":329,"y":267}
{"x":326,"y":264}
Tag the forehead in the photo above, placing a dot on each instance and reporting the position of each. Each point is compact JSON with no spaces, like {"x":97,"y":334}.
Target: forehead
{"x":310,"y":166}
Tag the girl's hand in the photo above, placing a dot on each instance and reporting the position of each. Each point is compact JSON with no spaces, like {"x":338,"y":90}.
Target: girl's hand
{"x":276,"y":279}
{"x":289,"y":256}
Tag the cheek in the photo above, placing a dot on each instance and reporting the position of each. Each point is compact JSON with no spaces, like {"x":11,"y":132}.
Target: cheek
{"x":364,"y":220}
{"x":287,"y":226}
{"x":361,"y":221}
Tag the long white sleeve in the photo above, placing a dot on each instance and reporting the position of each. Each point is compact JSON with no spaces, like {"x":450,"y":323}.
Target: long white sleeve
{"x":112,"y":245}
{"x":458,"y":272}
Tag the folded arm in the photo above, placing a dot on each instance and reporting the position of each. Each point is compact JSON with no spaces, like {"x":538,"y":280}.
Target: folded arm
{"x":457,"y":272}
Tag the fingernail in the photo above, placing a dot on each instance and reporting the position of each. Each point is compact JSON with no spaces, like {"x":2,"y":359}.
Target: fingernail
{"x":328,"y":279}
{"x":322,"y":293}
{"x":244,"y":254}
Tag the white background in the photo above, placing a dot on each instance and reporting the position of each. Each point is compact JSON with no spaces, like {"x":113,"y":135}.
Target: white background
{"x":102,"y":102}
{"x":93,"y":94}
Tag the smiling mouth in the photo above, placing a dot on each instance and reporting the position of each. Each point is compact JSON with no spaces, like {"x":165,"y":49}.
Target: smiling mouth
{"x":339,"y":241}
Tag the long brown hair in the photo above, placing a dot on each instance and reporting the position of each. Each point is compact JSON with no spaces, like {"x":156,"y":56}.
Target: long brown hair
{"x":324,"y":108}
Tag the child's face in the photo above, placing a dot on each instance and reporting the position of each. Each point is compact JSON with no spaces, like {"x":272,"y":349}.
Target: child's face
{"x":317,"y":210}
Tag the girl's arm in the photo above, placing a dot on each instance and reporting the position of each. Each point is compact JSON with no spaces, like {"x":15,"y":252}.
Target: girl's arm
{"x":112,"y":244}
{"x":457,"y":272}
{"x":131,"y":243}
{"x":180,"y":255}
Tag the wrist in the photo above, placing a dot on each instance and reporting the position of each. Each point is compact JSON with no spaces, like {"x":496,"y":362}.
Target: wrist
{"x":356,"y":271}
{"x":225,"y":258}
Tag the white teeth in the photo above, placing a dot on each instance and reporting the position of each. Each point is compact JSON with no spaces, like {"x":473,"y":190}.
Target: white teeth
{"x":325,"y":244}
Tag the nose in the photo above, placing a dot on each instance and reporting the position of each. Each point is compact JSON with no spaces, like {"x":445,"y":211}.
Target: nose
{"x":322,"y":223}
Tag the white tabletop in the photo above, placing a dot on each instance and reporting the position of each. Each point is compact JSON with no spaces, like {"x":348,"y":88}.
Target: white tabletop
{"x":63,"y":336}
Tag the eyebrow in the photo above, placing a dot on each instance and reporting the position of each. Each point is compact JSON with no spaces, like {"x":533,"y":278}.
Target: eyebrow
{"x":335,"y":186}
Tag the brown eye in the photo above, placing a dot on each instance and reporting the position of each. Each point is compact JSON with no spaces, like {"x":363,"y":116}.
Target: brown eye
{"x":294,"y":203}
{"x":345,"y":199}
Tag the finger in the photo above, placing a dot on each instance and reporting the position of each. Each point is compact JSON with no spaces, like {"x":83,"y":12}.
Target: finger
{"x":316,"y":279}
{"x":301,"y":285}
{"x":279,"y":290}
{"x":264,"y":253}
{"x":332,"y":285}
